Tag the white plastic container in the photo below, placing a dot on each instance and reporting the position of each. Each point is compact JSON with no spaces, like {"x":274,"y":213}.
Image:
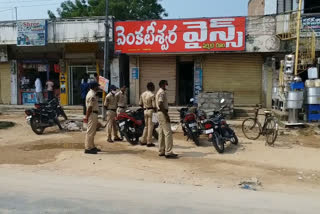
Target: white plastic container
{"x":313,"y":73}
{"x":317,"y":83}
{"x":310,"y":83}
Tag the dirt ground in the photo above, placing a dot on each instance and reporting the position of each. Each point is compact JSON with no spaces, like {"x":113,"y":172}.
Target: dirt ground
{"x":292,"y":165}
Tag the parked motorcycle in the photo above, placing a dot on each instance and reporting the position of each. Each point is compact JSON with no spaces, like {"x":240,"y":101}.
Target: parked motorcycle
{"x":131,"y":125}
{"x":54,"y":105}
{"x":188,"y":120}
{"x":42,"y":118}
{"x":219,"y":131}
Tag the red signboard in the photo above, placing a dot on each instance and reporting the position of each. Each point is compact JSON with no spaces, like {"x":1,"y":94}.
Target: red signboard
{"x":191,"y":35}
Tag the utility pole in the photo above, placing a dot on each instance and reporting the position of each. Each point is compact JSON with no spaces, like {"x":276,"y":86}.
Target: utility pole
{"x":298,"y":38}
{"x":16,"y":9}
{"x":106,"y":56}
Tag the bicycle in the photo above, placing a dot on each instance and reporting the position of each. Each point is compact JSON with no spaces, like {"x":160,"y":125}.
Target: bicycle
{"x":252,"y":129}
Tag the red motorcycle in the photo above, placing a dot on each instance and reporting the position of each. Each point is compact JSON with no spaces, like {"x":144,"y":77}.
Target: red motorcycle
{"x":131,"y":125}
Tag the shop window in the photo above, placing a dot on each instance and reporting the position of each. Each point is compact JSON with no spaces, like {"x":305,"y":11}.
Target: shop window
{"x":28,"y":72}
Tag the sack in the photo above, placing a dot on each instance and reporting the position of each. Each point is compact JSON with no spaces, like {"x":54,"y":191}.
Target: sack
{"x":154,"y":117}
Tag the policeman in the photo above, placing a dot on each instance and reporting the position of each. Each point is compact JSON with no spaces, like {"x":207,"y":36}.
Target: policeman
{"x":110,"y":103}
{"x":92,"y":119}
{"x":122,"y":100}
{"x":165,"y":132}
{"x":148,"y":103}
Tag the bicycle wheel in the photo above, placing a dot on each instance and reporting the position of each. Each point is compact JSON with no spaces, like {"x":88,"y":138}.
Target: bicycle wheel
{"x":271,"y":131}
{"x":251,"y":128}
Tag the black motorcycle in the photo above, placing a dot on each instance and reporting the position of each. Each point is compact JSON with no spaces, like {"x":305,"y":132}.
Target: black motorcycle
{"x":131,"y":125}
{"x":42,"y":118}
{"x":189,"y":123}
{"x":219,"y":131}
{"x":54,"y":105}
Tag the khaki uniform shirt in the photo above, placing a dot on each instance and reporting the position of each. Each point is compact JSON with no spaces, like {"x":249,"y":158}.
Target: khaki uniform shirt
{"x":147,"y":100}
{"x":92,"y":100}
{"x":122,"y":99}
{"x":162,"y":97}
{"x":110,"y":102}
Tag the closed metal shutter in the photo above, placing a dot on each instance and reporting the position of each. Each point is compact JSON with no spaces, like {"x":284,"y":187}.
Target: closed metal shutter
{"x":241,"y":74}
{"x":154,"y":69}
{"x":5,"y":83}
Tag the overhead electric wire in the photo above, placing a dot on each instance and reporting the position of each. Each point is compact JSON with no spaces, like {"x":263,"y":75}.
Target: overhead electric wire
{"x":26,"y":1}
{"x":5,"y":10}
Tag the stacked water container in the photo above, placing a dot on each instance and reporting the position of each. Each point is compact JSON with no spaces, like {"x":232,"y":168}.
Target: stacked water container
{"x":313,"y":95}
{"x":294,"y":91}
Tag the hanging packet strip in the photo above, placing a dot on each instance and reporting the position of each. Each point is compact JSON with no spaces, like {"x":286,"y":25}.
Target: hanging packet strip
{"x":104,"y":84}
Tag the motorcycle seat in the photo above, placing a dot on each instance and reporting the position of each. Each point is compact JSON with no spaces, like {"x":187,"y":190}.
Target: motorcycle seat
{"x":267,"y":112}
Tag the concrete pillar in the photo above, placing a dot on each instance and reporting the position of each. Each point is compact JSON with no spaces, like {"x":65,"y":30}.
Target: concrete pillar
{"x":267,"y":73}
{"x":14,"y":82}
{"x":115,"y":72}
{"x":134,"y":79}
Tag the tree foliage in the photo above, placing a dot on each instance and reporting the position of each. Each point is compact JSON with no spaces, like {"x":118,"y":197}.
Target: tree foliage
{"x":120,"y":9}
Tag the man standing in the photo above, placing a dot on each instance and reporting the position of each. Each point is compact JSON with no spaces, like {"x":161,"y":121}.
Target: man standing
{"x":148,"y":103}
{"x":50,"y":85}
{"x":84,"y":88}
{"x":110,"y":103}
{"x":38,"y":86}
{"x":122,"y":100}
{"x":92,"y":119}
{"x":165,"y":132}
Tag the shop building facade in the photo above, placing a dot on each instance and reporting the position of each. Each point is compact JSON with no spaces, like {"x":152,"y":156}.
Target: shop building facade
{"x":201,"y":55}
{"x":61,"y":50}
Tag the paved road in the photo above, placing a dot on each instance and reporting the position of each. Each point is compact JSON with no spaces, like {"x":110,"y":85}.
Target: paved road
{"x":45,"y":192}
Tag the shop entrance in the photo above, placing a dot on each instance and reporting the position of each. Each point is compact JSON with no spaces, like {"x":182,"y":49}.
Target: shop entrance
{"x":185,"y":82}
{"x":76,"y":75}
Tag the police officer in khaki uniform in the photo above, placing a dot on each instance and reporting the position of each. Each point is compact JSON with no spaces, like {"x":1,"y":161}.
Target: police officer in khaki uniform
{"x":92,"y":119}
{"x":165,"y":132}
{"x":148,"y":103}
{"x":110,"y":103}
{"x":122,"y":100}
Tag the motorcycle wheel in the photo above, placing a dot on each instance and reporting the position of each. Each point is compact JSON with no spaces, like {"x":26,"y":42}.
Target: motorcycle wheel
{"x":195,"y":139}
{"x":234,"y":140}
{"x":129,"y":139}
{"x":35,"y":121}
{"x":218,"y":143}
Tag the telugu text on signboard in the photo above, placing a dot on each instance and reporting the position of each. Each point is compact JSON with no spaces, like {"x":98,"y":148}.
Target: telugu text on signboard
{"x":32,"y":33}
{"x":312,"y":23}
{"x":192,"y":35}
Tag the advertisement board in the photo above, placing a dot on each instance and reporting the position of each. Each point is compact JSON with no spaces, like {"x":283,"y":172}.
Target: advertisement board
{"x":313,"y":23}
{"x":190,"y":35}
{"x":32,"y":33}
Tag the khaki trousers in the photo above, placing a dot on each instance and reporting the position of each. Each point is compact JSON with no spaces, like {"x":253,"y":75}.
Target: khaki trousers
{"x":148,"y":128}
{"x":120,"y":110}
{"x":91,"y":131}
{"x":165,"y":135}
{"x":111,"y":125}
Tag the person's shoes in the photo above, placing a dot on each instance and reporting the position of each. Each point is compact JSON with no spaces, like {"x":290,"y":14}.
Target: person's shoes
{"x":161,"y":155}
{"x":91,"y":151}
{"x":110,"y":141}
{"x":97,"y":149}
{"x":151,"y":145}
{"x":117,"y":139}
{"x":142,"y":144}
{"x":172,"y":156}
